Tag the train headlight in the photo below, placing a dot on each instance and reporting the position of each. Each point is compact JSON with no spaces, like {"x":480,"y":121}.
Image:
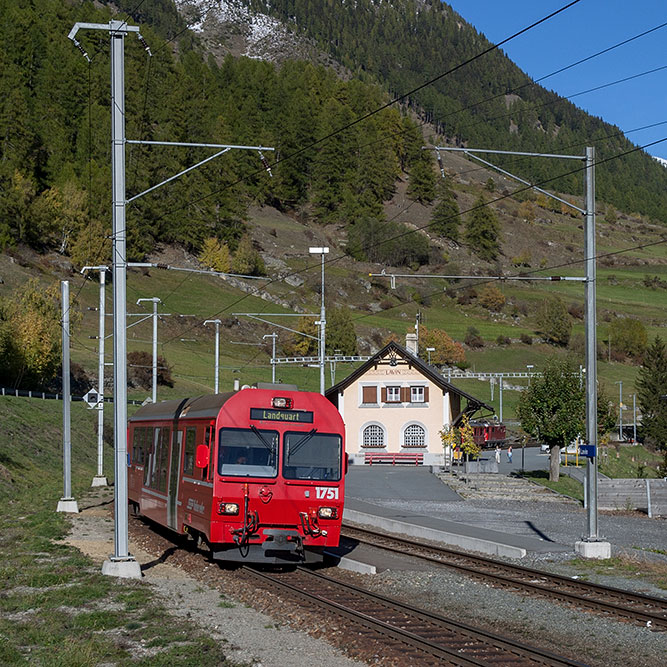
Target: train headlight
{"x":281,"y":402}
{"x":328,"y":512}
{"x":228,"y":508}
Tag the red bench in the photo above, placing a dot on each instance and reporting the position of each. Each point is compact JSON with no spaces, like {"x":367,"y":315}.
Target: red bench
{"x":416,"y":458}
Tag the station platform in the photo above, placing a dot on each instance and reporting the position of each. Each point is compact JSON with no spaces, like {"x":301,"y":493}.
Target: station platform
{"x":404,"y":500}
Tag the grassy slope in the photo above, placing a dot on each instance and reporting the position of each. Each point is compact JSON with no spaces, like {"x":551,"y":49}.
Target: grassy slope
{"x":56,"y":607}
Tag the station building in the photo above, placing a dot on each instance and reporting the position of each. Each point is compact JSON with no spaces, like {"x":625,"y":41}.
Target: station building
{"x":395,"y":405}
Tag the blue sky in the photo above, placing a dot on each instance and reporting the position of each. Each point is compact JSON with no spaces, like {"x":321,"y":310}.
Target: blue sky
{"x":584,"y":29}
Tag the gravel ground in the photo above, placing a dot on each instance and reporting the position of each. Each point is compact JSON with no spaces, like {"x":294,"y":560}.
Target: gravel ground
{"x":262,"y":629}
{"x":249,"y":636}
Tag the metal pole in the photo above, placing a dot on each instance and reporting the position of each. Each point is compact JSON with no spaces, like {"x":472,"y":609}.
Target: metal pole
{"x":67,"y":428}
{"x":217,"y":353}
{"x":620,"y":410}
{"x":591,"y":357}
{"x":66,"y":503}
{"x":634,"y":418}
{"x":155,"y":301}
{"x":323,"y":324}
{"x":500,"y":397}
{"x":273,"y":336}
{"x":121,"y":551}
{"x":100,"y":479}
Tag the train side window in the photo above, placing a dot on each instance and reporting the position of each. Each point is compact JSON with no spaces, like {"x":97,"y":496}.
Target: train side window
{"x":149,"y":456}
{"x":164,"y":460}
{"x":189,"y":456}
{"x":207,"y":473}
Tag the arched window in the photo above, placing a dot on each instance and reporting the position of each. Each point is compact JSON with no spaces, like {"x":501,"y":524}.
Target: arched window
{"x":414,"y":436}
{"x":373,"y":436}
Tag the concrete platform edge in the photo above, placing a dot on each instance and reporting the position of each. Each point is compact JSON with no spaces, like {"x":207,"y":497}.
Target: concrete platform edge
{"x":411,"y":530}
{"x":351,"y":565}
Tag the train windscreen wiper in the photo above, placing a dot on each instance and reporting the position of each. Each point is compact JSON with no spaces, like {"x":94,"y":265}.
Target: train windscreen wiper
{"x":261,"y":438}
{"x":302,"y":442}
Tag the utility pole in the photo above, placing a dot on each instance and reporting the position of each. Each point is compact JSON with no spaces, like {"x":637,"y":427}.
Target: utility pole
{"x":155,"y":300}
{"x":591,"y":546}
{"x":620,"y":410}
{"x":100,"y":479}
{"x":273,"y":336}
{"x":634,"y":419}
{"x":67,"y":502}
{"x":323,"y":318}
{"x":217,"y":352}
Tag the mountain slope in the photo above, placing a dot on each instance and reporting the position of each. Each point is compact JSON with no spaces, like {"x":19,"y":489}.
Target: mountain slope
{"x":486,"y":103}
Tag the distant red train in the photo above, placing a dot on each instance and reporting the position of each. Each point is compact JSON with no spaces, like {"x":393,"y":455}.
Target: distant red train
{"x":257,"y":475}
{"x":489,"y":433}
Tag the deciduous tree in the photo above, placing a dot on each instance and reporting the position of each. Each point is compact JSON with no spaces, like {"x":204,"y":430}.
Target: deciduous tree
{"x":553,"y":409}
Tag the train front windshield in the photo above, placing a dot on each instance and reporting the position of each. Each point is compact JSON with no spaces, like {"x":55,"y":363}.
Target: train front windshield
{"x":312,"y":455}
{"x":248,"y":452}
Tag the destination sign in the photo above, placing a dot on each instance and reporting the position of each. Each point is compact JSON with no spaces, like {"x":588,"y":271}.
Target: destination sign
{"x":273,"y":415}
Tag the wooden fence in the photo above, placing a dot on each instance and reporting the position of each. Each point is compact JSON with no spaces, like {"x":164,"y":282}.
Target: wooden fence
{"x":648,"y":495}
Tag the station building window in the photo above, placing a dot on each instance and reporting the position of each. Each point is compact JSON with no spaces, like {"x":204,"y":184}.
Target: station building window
{"x":393,"y":394}
{"x":373,"y":436}
{"x":414,"y":436}
{"x":369,"y":395}
{"x":418,"y":394}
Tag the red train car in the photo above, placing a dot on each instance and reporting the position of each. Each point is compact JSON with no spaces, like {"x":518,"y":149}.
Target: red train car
{"x":258,"y":475}
{"x":489,"y":434}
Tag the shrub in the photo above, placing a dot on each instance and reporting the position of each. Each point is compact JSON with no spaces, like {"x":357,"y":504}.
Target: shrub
{"x":472,"y":338}
{"x":526,"y":339}
{"x":140,"y":370}
{"x":576,"y":310}
{"x":491,"y":298}
{"x":503,"y":340}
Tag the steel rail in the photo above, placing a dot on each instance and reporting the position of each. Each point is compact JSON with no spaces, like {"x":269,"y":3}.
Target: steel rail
{"x":612,"y":600}
{"x":458,"y":644}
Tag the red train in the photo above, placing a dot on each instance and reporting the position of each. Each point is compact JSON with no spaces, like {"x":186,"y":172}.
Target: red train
{"x":257,"y":475}
{"x":489,"y":434}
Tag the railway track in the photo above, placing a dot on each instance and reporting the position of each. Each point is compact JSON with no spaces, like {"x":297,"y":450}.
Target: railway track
{"x":648,"y":610}
{"x":419,"y":637}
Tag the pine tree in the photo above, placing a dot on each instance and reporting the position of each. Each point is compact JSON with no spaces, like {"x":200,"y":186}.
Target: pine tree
{"x":340,"y":334}
{"x":652,"y":393}
{"x":445,"y":219}
{"x":554,"y":321}
{"x":422,"y":180}
{"x":482,"y":230}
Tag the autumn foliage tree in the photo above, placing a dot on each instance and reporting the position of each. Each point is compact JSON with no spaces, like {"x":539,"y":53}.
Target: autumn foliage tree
{"x":30,"y":336}
{"x":447,"y":351}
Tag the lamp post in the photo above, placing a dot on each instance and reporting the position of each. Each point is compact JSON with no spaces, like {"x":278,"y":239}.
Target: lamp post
{"x":429,"y":350}
{"x":155,"y":300}
{"x":323,"y":319}
{"x":273,"y":337}
{"x":620,"y":410}
{"x":217,"y":351}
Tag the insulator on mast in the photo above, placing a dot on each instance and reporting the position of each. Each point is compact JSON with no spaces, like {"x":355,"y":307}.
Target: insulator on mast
{"x":265,"y":162}
{"x":442,"y":169}
{"x":144,"y":44}
{"x":83,"y":51}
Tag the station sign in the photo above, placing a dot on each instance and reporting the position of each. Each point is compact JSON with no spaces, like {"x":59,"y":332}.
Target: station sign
{"x":265,"y":414}
{"x":588,"y":451}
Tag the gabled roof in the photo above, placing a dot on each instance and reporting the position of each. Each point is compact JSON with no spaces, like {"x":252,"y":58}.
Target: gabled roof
{"x":431,"y":373}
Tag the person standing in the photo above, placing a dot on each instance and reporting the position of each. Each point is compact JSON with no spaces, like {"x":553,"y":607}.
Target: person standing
{"x":509,"y":454}
{"x":498,"y":453}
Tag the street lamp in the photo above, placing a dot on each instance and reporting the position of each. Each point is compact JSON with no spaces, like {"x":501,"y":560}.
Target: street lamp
{"x":620,"y":410}
{"x":155,"y":300}
{"x":273,"y":337}
{"x":429,"y":350}
{"x":323,"y":319}
{"x":217,"y":351}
